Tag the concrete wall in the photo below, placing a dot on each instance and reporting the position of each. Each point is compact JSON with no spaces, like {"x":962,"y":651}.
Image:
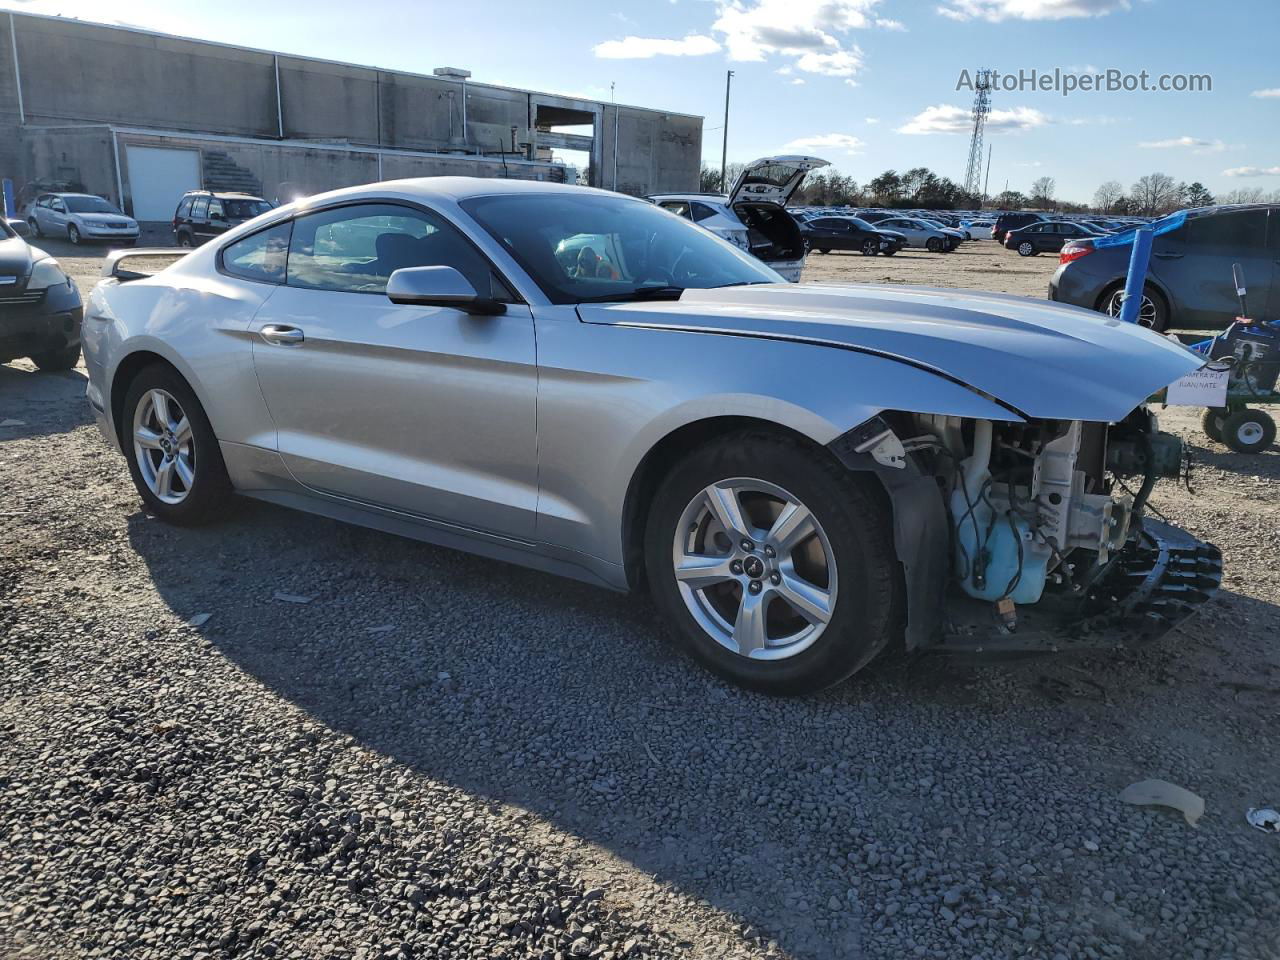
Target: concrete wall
{"x":79,"y":73}
{"x":82,"y":156}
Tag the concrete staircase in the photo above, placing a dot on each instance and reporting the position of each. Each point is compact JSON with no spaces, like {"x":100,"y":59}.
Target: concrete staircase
{"x":222,"y":174}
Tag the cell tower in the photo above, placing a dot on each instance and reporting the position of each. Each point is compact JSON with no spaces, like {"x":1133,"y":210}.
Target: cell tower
{"x":981,"y":107}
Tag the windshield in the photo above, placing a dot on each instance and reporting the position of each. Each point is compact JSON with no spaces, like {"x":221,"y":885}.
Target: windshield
{"x":861,"y":224}
{"x":586,"y":246}
{"x":90,"y":205}
{"x":244,"y":209}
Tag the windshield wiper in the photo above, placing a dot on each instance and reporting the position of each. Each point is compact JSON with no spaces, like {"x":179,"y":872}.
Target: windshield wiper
{"x":640,"y":293}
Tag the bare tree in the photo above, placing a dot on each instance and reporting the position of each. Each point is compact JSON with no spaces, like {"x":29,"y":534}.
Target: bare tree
{"x":1154,"y":194}
{"x":1245,"y":195}
{"x":1042,"y":191}
{"x":1107,"y":196}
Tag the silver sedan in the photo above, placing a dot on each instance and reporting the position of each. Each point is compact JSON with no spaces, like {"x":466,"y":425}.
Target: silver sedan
{"x":587,"y":384}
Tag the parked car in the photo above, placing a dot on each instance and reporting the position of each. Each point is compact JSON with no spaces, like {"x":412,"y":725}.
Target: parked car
{"x":202,"y":215}
{"x":979,"y":229}
{"x":1189,"y":281}
{"x":825,"y":234}
{"x":918,"y":233}
{"x":80,"y":217}
{"x":785,"y":468}
{"x":1046,"y":237}
{"x":958,"y":235}
{"x":40,"y":308}
{"x":753,"y":216}
{"x":1013,"y":221}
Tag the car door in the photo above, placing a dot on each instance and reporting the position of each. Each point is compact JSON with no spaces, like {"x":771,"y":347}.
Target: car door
{"x":57,"y":215}
{"x":1273,"y":251}
{"x":199,"y":217}
{"x":424,"y":410}
{"x":1195,"y":262}
{"x":907,"y":228}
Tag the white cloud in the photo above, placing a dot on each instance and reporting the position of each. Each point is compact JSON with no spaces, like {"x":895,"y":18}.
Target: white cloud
{"x":997,"y":10}
{"x":1271,"y":93}
{"x":1252,"y":172}
{"x":1201,"y":146}
{"x":642,"y":48}
{"x":815,"y":34}
{"x":884,"y":23}
{"x":944,"y":118}
{"x":797,"y":81}
{"x":827,"y":141}
{"x":871,"y":121}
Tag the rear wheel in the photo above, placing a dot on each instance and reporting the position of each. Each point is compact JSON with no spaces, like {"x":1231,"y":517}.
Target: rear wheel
{"x":774,"y":565}
{"x":824,"y":249}
{"x":1248,"y":431}
{"x":52,"y":361}
{"x":870,"y":248}
{"x":933,"y":244}
{"x":173,"y":456}
{"x":184,"y":238}
{"x":1026,"y":249}
{"x":889,"y":251}
{"x":1211,"y":422}
{"x":1153,"y":313}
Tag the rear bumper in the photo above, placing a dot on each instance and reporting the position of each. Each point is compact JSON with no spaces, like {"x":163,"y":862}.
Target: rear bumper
{"x":51,"y":323}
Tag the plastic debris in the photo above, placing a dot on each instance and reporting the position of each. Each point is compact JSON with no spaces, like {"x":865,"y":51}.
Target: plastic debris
{"x":1162,"y":793}
{"x":292,"y":597}
{"x":1266,"y":819}
{"x":199,"y":620}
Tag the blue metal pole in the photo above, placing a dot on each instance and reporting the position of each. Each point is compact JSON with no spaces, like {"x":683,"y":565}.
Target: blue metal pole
{"x":1133,"y":283}
{"x":10,"y":211}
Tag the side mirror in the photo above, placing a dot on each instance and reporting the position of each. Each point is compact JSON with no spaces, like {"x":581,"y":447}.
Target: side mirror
{"x":439,"y":287}
{"x":20,"y":227}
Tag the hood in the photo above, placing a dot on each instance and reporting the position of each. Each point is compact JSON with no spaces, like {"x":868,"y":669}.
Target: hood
{"x":891,"y":233}
{"x":102,"y":217}
{"x":1044,"y":360}
{"x":773,"y":179}
{"x":16,"y":256}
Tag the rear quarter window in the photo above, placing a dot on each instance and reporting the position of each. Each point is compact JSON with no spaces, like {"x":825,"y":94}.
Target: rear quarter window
{"x":261,"y":256}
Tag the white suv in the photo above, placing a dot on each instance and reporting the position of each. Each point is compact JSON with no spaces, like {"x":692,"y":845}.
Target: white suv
{"x":753,"y":215}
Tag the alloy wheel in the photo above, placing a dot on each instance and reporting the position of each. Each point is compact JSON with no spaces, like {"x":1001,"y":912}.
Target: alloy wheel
{"x":73,"y":234}
{"x":755,"y":568}
{"x":164,"y":446}
{"x":1146,"y":312}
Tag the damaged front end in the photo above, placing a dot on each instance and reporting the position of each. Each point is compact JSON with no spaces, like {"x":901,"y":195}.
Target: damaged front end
{"x":1033,"y":536}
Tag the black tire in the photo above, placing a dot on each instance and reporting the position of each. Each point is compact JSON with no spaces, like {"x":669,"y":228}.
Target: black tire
{"x":933,"y":245}
{"x":184,"y":239}
{"x":34,"y":226}
{"x":73,"y":234}
{"x":211,"y":490}
{"x":1159,"y":313}
{"x":824,"y":249}
{"x":1027,"y":249}
{"x":856,"y":526}
{"x":52,"y":361}
{"x":889,"y":251}
{"x":1211,"y":422}
{"x":1248,"y":431}
{"x":870,"y":248}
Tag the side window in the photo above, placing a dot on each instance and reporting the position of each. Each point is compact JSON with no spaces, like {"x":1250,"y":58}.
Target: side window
{"x":200,"y":209}
{"x":1245,"y":230}
{"x":1273,"y":229}
{"x":260,"y":256}
{"x":184,"y":208}
{"x":357,"y":248}
{"x":215,"y":210}
{"x":701,"y":212}
{"x":678,"y":207}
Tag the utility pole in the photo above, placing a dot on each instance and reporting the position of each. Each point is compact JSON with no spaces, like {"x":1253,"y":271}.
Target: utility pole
{"x":724,"y":150}
{"x":986,"y":181}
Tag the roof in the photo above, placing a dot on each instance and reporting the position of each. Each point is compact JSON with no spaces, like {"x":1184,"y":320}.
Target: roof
{"x":451,"y":189}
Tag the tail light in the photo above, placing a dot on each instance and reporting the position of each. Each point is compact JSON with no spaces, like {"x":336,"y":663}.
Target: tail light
{"x":1071,"y":252}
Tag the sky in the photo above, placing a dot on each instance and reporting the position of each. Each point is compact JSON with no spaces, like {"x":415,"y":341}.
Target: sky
{"x":868,"y":84}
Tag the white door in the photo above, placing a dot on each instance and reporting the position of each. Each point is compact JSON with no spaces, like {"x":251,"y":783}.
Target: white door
{"x":158,"y":177}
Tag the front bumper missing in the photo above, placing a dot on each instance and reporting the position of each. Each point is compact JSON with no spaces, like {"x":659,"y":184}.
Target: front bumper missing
{"x":1160,"y":579}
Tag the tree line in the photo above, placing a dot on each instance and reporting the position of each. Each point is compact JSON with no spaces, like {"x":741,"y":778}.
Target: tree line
{"x":1152,"y":195}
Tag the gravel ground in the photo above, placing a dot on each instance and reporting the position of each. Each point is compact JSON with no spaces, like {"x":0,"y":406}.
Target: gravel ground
{"x":436,"y":755}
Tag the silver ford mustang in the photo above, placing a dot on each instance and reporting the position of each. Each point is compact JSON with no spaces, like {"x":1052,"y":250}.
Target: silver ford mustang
{"x":582,"y":382}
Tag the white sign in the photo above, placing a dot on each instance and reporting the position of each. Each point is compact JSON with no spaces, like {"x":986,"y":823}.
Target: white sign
{"x":1204,"y":388}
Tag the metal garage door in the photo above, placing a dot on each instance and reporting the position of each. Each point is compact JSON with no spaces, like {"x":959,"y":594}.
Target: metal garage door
{"x":158,"y":177}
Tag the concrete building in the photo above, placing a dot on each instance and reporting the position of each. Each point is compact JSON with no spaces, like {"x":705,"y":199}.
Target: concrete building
{"x":141,"y":117}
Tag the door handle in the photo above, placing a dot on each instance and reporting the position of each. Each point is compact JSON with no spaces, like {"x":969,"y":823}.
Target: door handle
{"x":1168,"y":256}
{"x":280,"y":335}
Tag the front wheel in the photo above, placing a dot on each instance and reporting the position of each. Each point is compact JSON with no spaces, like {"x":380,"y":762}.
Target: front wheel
{"x":173,"y":456}
{"x":35,"y":228}
{"x":824,"y":249}
{"x":889,"y":251}
{"x":73,"y":233}
{"x":774,"y":565}
{"x":1248,"y":431}
{"x":870,"y":248}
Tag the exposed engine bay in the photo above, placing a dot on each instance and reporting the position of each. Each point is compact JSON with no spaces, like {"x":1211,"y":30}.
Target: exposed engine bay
{"x":1041,"y":517}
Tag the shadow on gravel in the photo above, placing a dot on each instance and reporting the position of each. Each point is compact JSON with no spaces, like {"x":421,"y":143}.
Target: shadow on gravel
{"x":42,"y":403}
{"x":569,"y":702}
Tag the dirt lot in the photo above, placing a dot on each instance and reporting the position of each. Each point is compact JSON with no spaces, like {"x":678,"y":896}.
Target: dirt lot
{"x":375,"y":748}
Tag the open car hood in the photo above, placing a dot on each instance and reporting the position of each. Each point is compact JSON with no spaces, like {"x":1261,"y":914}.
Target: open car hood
{"x":773,"y":179}
{"x":1044,"y":360}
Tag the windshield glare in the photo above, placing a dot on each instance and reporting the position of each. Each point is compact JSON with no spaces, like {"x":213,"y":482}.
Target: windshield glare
{"x":244,"y":209}
{"x":89,"y":205}
{"x":580,"y":247}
